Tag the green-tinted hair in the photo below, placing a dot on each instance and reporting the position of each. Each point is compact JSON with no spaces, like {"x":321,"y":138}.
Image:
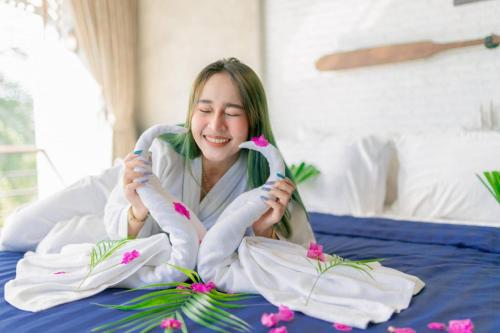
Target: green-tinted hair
{"x":255,"y":104}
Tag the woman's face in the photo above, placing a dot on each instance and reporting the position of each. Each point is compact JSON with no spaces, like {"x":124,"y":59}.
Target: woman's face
{"x":219,"y":123}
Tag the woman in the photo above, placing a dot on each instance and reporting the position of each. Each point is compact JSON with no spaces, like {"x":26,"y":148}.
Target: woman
{"x":205,"y":168}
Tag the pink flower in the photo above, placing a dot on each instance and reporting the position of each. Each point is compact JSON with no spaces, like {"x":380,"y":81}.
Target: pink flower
{"x":260,"y":141}
{"x":281,"y":329}
{"x":210,"y":285}
{"x":130,"y":256}
{"x":342,"y":327}
{"x":170,"y":323}
{"x":180,"y":287}
{"x":269,"y":319}
{"x":315,"y":251}
{"x":202,"y":287}
{"x":400,"y":330}
{"x":285,"y":314}
{"x":436,"y":326}
{"x":59,"y":273}
{"x":460,"y":326}
{"x":181,"y":209}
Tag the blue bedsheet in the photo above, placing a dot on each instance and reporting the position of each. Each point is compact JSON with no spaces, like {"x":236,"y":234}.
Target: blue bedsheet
{"x":459,"y":264}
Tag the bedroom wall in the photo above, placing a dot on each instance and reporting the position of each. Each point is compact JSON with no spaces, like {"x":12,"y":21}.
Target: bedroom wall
{"x":178,"y":38}
{"x":443,"y":92}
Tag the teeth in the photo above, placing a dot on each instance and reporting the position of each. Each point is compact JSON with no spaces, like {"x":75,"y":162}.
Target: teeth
{"x":216,"y":140}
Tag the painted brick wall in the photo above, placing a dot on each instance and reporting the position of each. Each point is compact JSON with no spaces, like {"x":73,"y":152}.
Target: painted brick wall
{"x":442,"y":92}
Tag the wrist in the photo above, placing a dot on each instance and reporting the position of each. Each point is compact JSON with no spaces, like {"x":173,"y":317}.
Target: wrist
{"x":264,"y":232}
{"x":137,"y":215}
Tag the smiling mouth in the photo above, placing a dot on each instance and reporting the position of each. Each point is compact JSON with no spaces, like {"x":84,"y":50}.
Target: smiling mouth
{"x":217,"y":139}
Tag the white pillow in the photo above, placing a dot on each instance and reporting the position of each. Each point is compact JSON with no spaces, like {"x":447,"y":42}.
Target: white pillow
{"x":437,"y":176}
{"x":353,"y":173}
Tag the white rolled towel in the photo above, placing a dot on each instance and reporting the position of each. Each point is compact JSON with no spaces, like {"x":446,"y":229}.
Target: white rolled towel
{"x":280,"y":271}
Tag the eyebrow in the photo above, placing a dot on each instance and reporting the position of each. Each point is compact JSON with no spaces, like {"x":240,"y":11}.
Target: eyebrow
{"x":226,"y":105}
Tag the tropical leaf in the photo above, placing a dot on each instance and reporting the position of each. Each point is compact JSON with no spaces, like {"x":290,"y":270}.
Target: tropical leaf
{"x":102,"y":251}
{"x":205,"y":309}
{"x":492,"y":183}
{"x":105,"y":249}
{"x":303,"y":172}
{"x":192,"y":275}
{"x":179,"y":317}
{"x":334,"y":261}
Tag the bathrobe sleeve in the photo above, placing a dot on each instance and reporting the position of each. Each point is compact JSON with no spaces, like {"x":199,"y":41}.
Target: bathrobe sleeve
{"x":164,"y":160}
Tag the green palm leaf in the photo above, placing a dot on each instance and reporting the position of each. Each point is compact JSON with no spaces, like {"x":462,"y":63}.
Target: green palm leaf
{"x":205,"y":309}
{"x":105,"y":249}
{"x":102,"y":251}
{"x":179,"y":317}
{"x":492,"y":183}
{"x":303,"y":172}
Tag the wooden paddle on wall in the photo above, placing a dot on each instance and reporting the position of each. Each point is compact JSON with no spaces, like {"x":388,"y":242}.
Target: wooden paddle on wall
{"x":395,"y":53}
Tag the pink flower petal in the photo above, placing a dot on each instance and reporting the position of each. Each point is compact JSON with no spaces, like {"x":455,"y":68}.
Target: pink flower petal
{"x":202,"y":287}
{"x":460,"y":326}
{"x":342,"y":327}
{"x":170,"y":323}
{"x":281,"y":329}
{"x":210,"y":285}
{"x":437,"y":326}
{"x":285,"y":314}
{"x":59,"y":273}
{"x":269,"y":319}
{"x":260,"y":141}
{"x":130,"y":256}
{"x":315,"y":251}
{"x":181,"y":209}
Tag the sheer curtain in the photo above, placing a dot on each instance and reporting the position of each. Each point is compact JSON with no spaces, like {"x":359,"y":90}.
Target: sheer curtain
{"x":107,"y":34}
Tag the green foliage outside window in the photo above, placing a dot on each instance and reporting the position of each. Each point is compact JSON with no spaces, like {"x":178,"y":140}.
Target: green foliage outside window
{"x":18,"y":181}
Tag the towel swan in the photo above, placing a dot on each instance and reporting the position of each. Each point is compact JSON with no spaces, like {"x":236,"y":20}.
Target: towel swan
{"x":280,"y":272}
{"x":44,"y":280}
{"x":183,"y":226}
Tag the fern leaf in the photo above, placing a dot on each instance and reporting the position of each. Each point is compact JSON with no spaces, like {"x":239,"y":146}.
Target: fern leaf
{"x":105,"y":249}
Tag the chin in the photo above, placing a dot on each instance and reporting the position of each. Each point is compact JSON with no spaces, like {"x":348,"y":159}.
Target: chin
{"x":214,"y":156}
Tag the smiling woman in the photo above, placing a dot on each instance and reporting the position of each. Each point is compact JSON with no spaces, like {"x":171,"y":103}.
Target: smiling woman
{"x":206,"y":168}
{"x":219,"y":126}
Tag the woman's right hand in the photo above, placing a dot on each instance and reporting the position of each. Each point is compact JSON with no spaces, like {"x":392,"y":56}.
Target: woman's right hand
{"x":132,"y":180}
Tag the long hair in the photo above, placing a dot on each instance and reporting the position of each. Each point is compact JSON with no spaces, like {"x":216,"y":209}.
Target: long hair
{"x":255,"y":104}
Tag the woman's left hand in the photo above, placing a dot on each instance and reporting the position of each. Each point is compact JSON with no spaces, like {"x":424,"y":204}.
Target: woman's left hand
{"x":279,"y":195}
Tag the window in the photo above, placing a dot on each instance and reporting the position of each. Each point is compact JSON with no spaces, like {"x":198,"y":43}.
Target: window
{"x":53,"y":125}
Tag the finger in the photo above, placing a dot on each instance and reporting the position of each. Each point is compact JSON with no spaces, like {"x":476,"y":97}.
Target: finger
{"x":129,"y":157}
{"x":285,"y":187}
{"x":283,"y":196}
{"x":290,"y":182}
{"x":133,"y":186}
{"x":278,"y":209}
{"x":142,"y":180}
{"x":143,"y":169}
{"x":137,"y":162}
{"x":145,"y":158}
{"x":130,"y":176}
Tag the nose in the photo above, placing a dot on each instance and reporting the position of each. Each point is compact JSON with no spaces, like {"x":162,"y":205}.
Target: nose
{"x":217,"y":122}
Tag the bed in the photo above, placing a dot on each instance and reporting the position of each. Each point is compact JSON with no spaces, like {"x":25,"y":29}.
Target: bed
{"x":439,"y":223}
{"x":460,"y":265}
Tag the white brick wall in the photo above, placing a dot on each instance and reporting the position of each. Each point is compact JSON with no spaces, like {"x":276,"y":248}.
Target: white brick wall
{"x":445,"y":91}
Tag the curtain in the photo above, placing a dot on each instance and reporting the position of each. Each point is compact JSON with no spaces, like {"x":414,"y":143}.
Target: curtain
{"x":106,"y":31}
